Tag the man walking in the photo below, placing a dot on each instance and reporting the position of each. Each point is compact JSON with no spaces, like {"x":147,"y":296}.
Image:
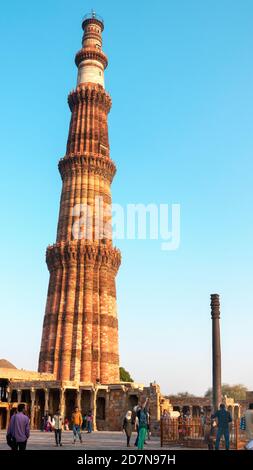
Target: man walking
{"x":224,"y":418}
{"x":19,"y":429}
{"x":77,"y":421}
{"x":58,"y":422}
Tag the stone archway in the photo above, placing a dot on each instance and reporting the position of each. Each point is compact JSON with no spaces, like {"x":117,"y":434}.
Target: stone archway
{"x":196,"y":410}
{"x":100,"y":410}
{"x":3,"y":417}
{"x":3,"y":390}
{"x":54,"y":400}
{"x":39,"y":409}
{"x":14,"y":396}
{"x":70,"y":402}
{"x":26,"y":398}
{"x":132,"y":401}
{"x":177,"y":408}
{"x":185,"y":409}
{"x":85,"y":401}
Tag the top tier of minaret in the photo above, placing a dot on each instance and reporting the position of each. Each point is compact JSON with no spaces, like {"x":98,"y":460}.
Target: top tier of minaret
{"x":91,"y":60}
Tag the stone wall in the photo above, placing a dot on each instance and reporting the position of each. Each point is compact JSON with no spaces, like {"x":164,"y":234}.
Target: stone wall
{"x":24,"y":375}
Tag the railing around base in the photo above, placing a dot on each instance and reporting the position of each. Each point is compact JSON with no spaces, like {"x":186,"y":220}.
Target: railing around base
{"x":191,"y":432}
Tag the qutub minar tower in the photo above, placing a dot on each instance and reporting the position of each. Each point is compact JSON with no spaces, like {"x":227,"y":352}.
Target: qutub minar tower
{"x":80,"y":331}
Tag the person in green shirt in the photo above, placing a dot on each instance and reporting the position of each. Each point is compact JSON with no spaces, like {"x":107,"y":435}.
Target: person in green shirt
{"x":142,"y":415}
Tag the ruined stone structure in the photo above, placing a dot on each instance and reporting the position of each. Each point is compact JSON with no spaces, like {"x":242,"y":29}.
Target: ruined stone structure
{"x":80,"y":331}
{"x":42,"y":394}
{"x":194,"y":405}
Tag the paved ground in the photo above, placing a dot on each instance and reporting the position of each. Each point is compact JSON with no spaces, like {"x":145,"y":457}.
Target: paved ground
{"x":96,"y":440}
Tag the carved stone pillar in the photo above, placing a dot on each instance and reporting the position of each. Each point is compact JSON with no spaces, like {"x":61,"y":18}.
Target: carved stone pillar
{"x":62,"y":402}
{"x":9,"y":407}
{"x":107,"y":409}
{"x":32,"y":392}
{"x":78,"y":399}
{"x":94,"y":407}
{"x":46,"y":400}
{"x":19,"y":393}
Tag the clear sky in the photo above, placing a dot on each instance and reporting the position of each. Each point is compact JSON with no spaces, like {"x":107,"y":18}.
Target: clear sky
{"x":181,"y":79}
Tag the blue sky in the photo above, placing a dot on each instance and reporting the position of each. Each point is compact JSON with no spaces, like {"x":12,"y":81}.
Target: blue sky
{"x":180,"y":75}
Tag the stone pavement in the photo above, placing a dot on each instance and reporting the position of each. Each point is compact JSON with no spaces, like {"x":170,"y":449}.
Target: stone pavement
{"x":96,"y":440}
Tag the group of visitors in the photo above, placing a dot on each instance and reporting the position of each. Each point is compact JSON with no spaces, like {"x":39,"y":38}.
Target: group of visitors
{"x":215,"y":426}
{"x":19,"y":427}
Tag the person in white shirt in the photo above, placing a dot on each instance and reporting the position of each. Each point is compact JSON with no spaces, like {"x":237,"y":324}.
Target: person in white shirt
{"x":58,"y":422}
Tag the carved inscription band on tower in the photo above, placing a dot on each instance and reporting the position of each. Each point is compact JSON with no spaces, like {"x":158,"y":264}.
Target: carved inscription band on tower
{"x":80,"y":330}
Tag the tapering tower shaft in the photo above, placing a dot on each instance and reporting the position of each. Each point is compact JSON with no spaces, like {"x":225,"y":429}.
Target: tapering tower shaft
{"x":216,"y":350}
{"x":80,"y":330}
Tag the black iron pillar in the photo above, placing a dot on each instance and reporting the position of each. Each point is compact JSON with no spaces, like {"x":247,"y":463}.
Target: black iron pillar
{"x":215,"y":314}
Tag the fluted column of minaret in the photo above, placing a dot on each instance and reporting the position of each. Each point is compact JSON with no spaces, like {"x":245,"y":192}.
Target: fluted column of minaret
{"x":80,"y":331}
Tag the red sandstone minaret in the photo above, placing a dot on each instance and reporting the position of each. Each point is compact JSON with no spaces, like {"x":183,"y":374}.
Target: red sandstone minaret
{"x":80,"y":331}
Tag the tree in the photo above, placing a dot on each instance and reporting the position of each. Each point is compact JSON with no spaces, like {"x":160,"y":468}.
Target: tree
{"x":237,"y":392}
{"x":185,"y":395}
{"x":182,"y":395}
{"x":124,"y":375}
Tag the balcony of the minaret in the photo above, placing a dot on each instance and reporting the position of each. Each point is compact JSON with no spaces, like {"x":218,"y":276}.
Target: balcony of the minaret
{"x":94,"y":21}
{"x":91,"y":53}
{"x":103,"y":150}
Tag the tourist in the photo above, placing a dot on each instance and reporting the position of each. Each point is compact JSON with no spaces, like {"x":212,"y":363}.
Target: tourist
{"x":84,"y":424}
{"x":201,"y":426}
{"x":128,"y":426}
{"x":249,"y":427}
{"x":165,"y":414}
{"x":45,"y":419}
{"x":142,"y":415}
{"x":42,"y":423}
{"x":89,"y":419}
{"x":188,"y":423}
{"x":181,"y":426}
{"x":188,"y":414}
{"x":224,"y":418}
{"x":209,"y":430}
{"x":66,"y":424}
{"x":18,"y":430}
{"x":58,"y":422}
{"x":48,"y":427}
{"x":77,"y":422}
